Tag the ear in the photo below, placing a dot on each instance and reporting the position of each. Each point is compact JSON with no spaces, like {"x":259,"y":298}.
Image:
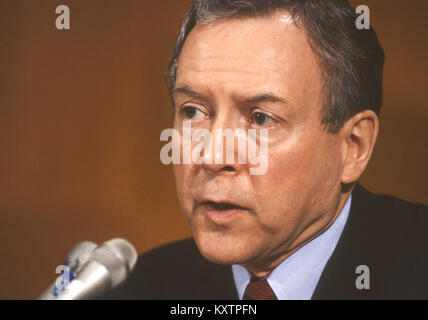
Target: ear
{"x":359,"y":138}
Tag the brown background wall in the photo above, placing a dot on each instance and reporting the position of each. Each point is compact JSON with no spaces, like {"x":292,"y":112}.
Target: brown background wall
{"x":81,"y":112}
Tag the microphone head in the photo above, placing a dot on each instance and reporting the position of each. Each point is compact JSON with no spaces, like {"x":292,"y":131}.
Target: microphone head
{"x":118,"y":256}
{"x":124,"y":251}
{"x":79,"y":255}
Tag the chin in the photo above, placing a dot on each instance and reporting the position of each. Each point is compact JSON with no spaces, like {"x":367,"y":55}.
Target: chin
{"x":223,"y":249}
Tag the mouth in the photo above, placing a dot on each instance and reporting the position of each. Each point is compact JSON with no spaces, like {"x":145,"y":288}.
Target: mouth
{"x":221,"y":212}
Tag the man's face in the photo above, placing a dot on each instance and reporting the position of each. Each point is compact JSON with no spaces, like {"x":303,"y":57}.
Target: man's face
{"x":256,"y":73}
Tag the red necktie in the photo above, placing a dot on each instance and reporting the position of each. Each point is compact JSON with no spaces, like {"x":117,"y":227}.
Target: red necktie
{"x":259,"y":289}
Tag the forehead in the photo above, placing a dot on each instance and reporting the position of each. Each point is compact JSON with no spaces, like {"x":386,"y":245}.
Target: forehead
{"x":238,"y":56}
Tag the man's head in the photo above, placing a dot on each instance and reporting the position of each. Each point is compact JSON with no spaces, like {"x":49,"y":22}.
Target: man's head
{"x":299,"y":69}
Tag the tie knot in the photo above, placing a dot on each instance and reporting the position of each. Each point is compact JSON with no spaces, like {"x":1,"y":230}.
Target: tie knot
{"x":259,"y":289}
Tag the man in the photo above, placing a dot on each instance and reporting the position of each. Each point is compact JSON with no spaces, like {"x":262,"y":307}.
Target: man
{"x":305,"y":229}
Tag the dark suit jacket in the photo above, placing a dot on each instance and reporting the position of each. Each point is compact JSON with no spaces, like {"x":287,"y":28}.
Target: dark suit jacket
{"x":386,"y":234}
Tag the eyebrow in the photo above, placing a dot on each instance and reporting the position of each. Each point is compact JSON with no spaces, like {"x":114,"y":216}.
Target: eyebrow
{"x":188,"y":92}
{"x":264,"y":97}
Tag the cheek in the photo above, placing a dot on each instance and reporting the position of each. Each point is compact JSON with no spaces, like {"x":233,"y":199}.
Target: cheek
{"x":290,"y":171}
{"x":181,"y":174}
{"x":305,"y":161}
{"x":297,"y":175}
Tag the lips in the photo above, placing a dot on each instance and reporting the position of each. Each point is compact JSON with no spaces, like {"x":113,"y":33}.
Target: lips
{"x":221,"y":206}
{"x":222,"y":211}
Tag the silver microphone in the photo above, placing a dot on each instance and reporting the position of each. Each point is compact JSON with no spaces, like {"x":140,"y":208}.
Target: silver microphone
{"x":75,"y":260}
{"x":107,"y":266}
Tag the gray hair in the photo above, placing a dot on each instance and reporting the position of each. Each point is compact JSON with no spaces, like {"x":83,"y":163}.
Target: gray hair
{"x":351,"y":60}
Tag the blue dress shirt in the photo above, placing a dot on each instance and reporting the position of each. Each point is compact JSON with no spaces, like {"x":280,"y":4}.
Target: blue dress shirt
{"x":297,"y":276}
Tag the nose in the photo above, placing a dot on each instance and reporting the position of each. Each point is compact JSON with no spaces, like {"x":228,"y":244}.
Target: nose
{"x":226,"y":149}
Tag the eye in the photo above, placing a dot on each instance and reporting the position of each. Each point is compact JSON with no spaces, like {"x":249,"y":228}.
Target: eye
{"x":262,"y":119}
{"x":193,"y":113}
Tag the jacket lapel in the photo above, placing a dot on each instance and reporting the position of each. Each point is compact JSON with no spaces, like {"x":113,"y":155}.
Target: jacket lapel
{"x":358,"y":245}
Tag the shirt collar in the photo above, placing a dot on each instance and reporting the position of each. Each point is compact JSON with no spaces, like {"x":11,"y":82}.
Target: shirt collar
{"x":297,"y":277}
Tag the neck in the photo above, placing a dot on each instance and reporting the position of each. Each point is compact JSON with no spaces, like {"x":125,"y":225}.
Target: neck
{"x":263,"y":269}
